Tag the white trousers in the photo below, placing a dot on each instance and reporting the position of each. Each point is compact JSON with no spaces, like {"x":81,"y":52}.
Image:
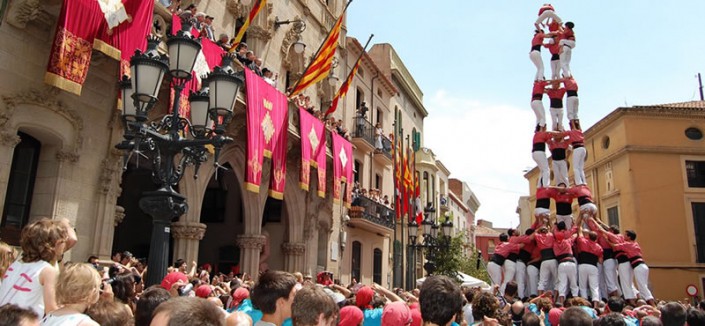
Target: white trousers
{"x":571,"y":107}
{"x":555,"y":69}
{"x":532,"y":280}
{"x":609,"y":272}
{"x":560,"y":172}
{"x":567,"y":219}
{"x":557,"y":118}
{"x":548,"y":14}
{"x":589,"y":282}
{"x":601,"y":278}
{"x":539,"y":112}
{"x":547,"y":273}
{"x":567,"y":277}
{"x":578,"y":159}
{"x":626,"y":274}
{"x":535,"y":57}
{"x":542,"y":163}
{"x":566,"y":53}
{"x":641,"y":274}
{"x":509,"y":271}
{"x":495,"y":272}
{"x":520,"y":278}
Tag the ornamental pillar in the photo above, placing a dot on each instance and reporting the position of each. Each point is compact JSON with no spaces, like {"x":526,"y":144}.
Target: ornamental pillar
{"x":294,"y":256}
{"x":8,"y":141}
{"x":187,"y":236}
{"x":250,"y":248}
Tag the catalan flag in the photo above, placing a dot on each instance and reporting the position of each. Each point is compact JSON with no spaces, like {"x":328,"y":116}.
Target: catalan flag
{"x":319,"y":67}
{"x":256,"y":8}
{"x":343,"y":90}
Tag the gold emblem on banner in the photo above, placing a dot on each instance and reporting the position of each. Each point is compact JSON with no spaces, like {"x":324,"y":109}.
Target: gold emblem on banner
{"x":268,"y":128}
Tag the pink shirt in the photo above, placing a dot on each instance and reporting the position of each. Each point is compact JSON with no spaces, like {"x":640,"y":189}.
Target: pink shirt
{"x":553,"y":144}
{"x":563,"y":247}
{"x":542,"y":193}
{"x":586,"y":245}
{"x":541,"y":137}
{"x":506,"y":248}
{"x":556,"y":93}
{"x":570,"y":84}
{"x":538,"y":39}
{"x":630,"y":248}
{"x":580,"y":191}
{"x":544,"y":240}
{"x":560,"y":197}
{"x":575,"y":136}
{"x":525,"y":239}
{"x":539,"y":87}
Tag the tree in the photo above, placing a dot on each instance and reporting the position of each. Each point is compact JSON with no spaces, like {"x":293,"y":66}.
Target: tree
{"x":448,"y":261}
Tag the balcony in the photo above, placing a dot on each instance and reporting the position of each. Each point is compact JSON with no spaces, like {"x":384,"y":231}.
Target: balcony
{"x":444,"y":203}
{"x":363,"y":135}
{"x":384,"y":155}
{"x":371,"y":215}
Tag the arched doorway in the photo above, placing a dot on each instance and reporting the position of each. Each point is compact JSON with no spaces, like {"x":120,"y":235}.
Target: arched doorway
{"x":135,"y":231}
{"x":222,"y":213}
{"x":20,"y":188}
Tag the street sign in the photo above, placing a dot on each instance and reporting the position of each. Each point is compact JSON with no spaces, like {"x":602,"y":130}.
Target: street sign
{"x":691,"y":290}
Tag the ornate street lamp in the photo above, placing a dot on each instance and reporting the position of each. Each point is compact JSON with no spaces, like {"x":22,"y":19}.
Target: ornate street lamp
{"x":174,"y":136}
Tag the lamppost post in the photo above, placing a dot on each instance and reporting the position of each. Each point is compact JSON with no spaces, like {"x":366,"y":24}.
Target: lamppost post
{"x":174,"y":142}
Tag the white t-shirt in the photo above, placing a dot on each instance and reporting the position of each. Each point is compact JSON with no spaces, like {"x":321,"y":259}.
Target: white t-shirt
{"x":64,"y":320}
{"x":21,"y":286}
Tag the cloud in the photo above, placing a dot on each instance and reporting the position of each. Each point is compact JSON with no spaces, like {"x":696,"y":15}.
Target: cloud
{"x":487,"y":145}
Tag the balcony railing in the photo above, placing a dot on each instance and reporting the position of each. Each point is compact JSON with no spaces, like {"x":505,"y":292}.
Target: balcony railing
{"x":386,"y":149}
{"x":372,"y":211}
{"x":363,"y":129}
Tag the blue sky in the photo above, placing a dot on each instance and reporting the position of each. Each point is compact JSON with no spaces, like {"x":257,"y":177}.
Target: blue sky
{"x":470,"y":58}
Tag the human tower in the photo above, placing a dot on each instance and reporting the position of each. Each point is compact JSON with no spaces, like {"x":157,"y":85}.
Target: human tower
{"x":556,"y":256}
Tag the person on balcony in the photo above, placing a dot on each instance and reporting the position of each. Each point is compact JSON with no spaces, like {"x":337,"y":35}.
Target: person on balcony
{"x":361,"y":119}
{"x":378,"y":137}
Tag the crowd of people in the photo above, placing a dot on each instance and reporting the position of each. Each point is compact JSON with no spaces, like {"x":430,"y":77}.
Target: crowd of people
{"x":38,"y":288}
{"x":373,"y":194}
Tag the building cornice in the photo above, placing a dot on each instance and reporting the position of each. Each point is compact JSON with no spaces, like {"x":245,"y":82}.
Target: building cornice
{"x":458,"y":201}
{"x":370,"y":63}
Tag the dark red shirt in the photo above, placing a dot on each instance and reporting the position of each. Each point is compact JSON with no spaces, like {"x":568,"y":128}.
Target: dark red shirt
{"x":506,"y":248}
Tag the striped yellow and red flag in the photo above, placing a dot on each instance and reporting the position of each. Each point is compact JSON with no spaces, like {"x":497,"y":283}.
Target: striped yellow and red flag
{"x":256,"y":8}
{"x":319,"y":68}
{"x":343,"y":90}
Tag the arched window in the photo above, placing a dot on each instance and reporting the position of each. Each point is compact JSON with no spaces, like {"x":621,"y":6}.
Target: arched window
{"x":20,"y":188}
{"x":377,"y":266}
{"x":356,"y":258}
{"x":426,"y":187}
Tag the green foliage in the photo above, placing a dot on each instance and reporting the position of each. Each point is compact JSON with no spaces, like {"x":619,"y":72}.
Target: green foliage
{"x":454,"y":259}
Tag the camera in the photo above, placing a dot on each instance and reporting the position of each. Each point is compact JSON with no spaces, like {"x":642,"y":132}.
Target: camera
{"x":184,"y":290}
{"x":108,"y":281}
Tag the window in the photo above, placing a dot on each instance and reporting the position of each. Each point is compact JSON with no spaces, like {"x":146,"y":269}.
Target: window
{"x":20,"y":188}
{"x":694,"y":133}
{"x":378,"y":181}
{"x":699,"y":224}
{"x":379,"y":92}
{"x":606,"y":142}
{"x":356,"y":257}
{"x":613,"y":215}
{"x":426,"y":186}
{"x":361,"y":72}
{"x":695,"y":170}
{"x":357,"y":171}
{"x":379,"y":115}
{"x":377,"y":266}
{"x":359,"y":98}
{"x":609,"y":180}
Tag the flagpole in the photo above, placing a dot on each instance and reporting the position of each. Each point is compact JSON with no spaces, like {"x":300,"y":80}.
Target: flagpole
{"x":321,"y":46}
{"x":364,"y":49}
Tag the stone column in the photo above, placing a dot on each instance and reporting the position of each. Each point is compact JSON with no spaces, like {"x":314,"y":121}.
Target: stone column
{"x":250,"y":247}
{"x":8,"y":141}
{"x":186,"y":239}
{"x":294,"y":256}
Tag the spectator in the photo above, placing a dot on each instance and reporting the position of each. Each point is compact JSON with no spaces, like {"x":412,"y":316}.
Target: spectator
{"x":147,"y":303}
{"x":238,"y":318}
{"x":240,"y":52}
{"x":238,"y":296}
{"x":654,"y":321}
{"x":575,"y":316}
{"x":312,"y":306}
{"x":250,"y":56}
{"x":111,"y":313}
{"x":517,"y":312}
{"x":270,"y":77}
{"x":672,"y":314}
{"x":613,"y":319}
{"x":188,"y":311}
{"x":441,"y":300}
{"x":351,"y":316}
{"x":224,"y":42}
{"x":43,"y":243}
{"x":378,"y":137}
{"x":396,"y":313}
{"x":199,"y":21}
{"x":695,"y":317}
{"x":13,"y":315}
{"x":77,"y":288}
{"x":124,"y":289}
{"x":273,"y":295}
{"x":207,"y":30}
{"x":531,"y":320}
{"x":7,"y":256}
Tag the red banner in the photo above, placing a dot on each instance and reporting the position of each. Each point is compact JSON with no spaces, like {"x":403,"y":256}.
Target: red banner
{"x":131,"y":34}
{"x":79,"y":23}
{"x":342,"y":168}
{"x":267,"y":130}
{"x":313,"y":151}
